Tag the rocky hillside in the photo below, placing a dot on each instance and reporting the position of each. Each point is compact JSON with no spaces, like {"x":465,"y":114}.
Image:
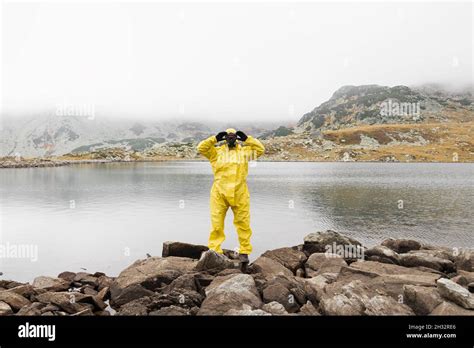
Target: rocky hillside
{"x":329,"y":274}
{"x":372,"y":104}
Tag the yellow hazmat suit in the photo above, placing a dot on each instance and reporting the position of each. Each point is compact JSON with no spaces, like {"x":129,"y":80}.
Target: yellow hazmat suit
{"x":230,"y":167}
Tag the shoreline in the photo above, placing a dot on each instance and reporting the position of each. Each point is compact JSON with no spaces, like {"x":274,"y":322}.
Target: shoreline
{"x":328,"y":274}
{"x":46,"y":163}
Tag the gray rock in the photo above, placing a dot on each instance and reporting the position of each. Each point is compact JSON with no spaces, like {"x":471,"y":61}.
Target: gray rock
{"x":386,"y":305}
{"x":425,"y":260}
{"x":247,"y":311}
{"x":151,"y":273}
{"x":290,"y":258}
{"x":230,"y":292}
{"x":210,"y":260}
{"x":51,"y":284}
{"x":274,"y":308}
{"x":269,"y":268}
{"x":319,"y":263}
{"x":455,"y":293}
{"x":183,"y":250}
{"x":382,"y":254}
{"x":401,"y":245}
{"x":128,"y":294}
{"x":321,"y":242}
{"x":68,"y":276}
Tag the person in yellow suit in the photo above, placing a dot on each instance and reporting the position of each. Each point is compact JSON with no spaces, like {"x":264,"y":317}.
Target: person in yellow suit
{"x":230,"y":167}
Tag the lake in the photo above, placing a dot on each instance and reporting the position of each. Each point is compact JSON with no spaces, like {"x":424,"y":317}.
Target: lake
{"x":102,"y":217}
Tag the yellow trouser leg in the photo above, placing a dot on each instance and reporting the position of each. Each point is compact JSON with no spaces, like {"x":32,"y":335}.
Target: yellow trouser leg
{"x":242,"y":223}
{"x":219,"y":208}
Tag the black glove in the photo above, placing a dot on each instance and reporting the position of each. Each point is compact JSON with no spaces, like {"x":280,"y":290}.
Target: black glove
{"x":241,"y":135}
{"x":221,"y":135}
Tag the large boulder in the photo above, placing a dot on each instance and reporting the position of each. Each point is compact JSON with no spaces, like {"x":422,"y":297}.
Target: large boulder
{"x":14,"y":300}
{"x":333,"y":242}
{"x":269,"y":268}
{"x":213,"y":261}
{"x":230,"y":292}
{"x":320,"y":263}
{"x":357,"y":298}
{"x":291,"y":258}
{"x":383,"y":254}
{"x":51,"y":284}
{"x":422,"y":299}
{"x":183,"y":250}
{"x":426,"y":260}
{"x":277,"y":292}
{"x":455,"y":293}
{"x":152,"y":273}
{"x":401,"y":246}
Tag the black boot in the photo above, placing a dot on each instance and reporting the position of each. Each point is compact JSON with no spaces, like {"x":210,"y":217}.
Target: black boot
{"x":243,"y":262}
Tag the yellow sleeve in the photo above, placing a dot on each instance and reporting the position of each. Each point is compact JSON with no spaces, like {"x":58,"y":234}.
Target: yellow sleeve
{"x":207,"y":149}
{"x":255,"y":146}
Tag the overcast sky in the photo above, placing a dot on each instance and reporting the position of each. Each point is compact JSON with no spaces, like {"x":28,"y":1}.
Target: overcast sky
{"x":224,"y":61}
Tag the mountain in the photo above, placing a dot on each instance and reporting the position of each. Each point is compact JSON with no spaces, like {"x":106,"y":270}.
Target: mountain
{"x":48,"y":134}
{"x":351,"y":106}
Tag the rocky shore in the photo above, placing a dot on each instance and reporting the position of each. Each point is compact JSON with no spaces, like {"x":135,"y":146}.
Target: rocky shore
{"x":329,"y":274}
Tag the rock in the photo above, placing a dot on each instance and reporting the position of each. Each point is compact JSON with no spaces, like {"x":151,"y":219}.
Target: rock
{"x":461,"y":280}
{"x":88,"y":290}
{"x":308,"y":309}
{"x":14,"y":300}
{"x":269,"y":268}
{"x":469,"y":276}
{"x":103,"y":294}
{"x":381,"y":253}
{"x":104,"y":282}
{"x":210,"y":260}
{"x":5,"y":309}
{"x":357,"y":298}
{"x":32,"y":310}
{"x":185,"y":281}
{"x":87,"y":279}
{"x":421,"y":299}
{"x":151,"y":273}
{"x":228,"y":271}
{"x":274,"y":308}
{"x":171,"y":310}
{"x":385,"y":305}
{"x":67,"y":276}
{"x":470,"y":287}
{"x":130,"y":293}
{"x":455,"y":293}
{"x":464,"y":260}
{"x":135,"y":308}
{"x":278,"y":293}
{"x":449,"y":308}
{"x":300,"y":273}
{"x":331,"y":241}
{"x":401,"y":246}
{"x":288,"y":257}
{"x":230,"y":292}
{"x":70,"y":302}
{"x":51,"y":284}
{"x":319,"y":263}
{"x":314,"y":287}
{"x":183,"y":250}
{"x":425,"y":260}
{"x":247,"y":311}
{"x":25,"y":290}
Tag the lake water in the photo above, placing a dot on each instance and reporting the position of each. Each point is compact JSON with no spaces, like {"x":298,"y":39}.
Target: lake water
{"x":102,"y":217}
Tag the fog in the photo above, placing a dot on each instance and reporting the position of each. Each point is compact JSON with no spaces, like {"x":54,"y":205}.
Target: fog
{"x":214,"y":61}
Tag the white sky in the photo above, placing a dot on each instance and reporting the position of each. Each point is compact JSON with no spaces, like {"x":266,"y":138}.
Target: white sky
{"x":222,"y":61}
